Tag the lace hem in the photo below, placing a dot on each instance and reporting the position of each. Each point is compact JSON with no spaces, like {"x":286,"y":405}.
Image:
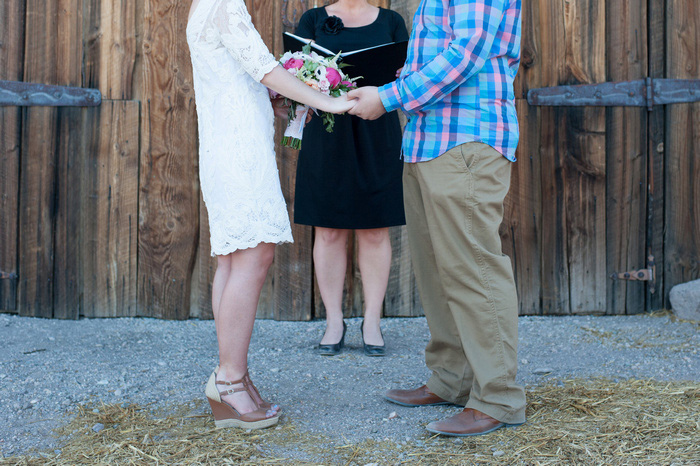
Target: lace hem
{"x":251,"y":244}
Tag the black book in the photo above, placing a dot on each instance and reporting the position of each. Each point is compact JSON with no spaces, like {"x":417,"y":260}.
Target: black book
{"x":377,"y":65}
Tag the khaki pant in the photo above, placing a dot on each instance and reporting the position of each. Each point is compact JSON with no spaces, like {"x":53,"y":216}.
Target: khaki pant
{"x":454,"y":206}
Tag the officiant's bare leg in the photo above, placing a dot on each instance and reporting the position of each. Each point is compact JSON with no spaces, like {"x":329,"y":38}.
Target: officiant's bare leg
{"x":374,"y":260}
{"x":236,"y":290}
{"x":330,"y":263}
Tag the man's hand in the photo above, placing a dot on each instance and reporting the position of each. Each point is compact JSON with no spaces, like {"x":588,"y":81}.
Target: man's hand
{"x":369,"y":106}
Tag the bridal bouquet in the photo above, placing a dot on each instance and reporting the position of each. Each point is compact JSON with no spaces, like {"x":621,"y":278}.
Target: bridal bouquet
{"x":322,"y":74}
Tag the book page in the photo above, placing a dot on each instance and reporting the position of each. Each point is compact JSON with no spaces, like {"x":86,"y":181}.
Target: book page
{"x":311,"y":43}
{"x":345,"y":54}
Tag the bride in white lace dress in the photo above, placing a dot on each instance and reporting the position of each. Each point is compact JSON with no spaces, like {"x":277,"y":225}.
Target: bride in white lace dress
{"x":240,"y":185}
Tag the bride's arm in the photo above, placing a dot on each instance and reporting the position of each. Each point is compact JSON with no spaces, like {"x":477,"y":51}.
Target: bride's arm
{"x":281,"y":81}
{"x":243,"y":41}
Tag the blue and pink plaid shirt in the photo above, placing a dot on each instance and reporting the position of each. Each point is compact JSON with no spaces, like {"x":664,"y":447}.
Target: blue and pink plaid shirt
{"x":457,"y":85}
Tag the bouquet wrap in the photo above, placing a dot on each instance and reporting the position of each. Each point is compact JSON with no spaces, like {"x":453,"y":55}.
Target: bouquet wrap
{"x":295,"y":128}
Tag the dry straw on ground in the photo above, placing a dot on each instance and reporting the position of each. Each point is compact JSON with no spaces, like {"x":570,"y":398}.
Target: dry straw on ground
{"x":578,"y":422}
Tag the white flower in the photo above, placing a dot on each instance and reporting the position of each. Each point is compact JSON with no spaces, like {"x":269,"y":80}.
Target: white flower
{"x":285,"y":58}
{"x":324,"y":85}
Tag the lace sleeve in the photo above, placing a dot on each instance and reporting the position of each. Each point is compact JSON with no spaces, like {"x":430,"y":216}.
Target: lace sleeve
{"x":242,"y":40}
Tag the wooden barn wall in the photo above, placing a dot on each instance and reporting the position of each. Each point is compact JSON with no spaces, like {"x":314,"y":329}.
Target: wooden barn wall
{"x":682,"y":147}
{"x":101,"y":213}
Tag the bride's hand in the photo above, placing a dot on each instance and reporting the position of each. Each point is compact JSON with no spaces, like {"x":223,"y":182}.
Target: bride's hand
{"x":342,"y":104}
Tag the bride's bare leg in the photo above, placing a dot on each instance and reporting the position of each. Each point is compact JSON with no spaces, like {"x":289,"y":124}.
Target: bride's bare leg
{"x":244,"y":272}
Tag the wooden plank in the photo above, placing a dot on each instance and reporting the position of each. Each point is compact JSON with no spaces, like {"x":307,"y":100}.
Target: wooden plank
{"x":402,"y":298}
{"x":656,"y":35}
{"x":67,"y":231}
{"x":572,"y":154}
{"x":626,"y":162}
{"x":354,"y":283}
{"x":520,"y":230}
{"x":109,"y":206}
{"x":11,"y":68}
{"x":406,"y":8}
{"x":53,"y":55}
{"x":36,"y":219}
{"x":69,"y":58}
{"x":169,"y":199}
{"x":110,"y":54}
{"x":682,"y":246}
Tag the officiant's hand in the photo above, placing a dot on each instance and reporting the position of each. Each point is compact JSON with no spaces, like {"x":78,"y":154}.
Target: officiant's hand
{"x":281,"y":109}
{"x":369,"y":106}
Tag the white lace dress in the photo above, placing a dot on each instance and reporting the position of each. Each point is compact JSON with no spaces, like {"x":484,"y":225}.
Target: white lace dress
{"x":237,"y":167}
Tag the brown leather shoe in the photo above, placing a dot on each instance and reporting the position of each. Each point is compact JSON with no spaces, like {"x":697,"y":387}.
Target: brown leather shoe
{"x":465,"y":424}
{"x":420,"y":396}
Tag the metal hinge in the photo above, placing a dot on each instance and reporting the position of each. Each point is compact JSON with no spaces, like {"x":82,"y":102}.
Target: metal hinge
{"x":20,"y":94}
{"x":639,"y":93}
{"x":643,"y":275}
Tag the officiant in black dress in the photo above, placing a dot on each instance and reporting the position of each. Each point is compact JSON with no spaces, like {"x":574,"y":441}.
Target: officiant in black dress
{"x":350,"y":179}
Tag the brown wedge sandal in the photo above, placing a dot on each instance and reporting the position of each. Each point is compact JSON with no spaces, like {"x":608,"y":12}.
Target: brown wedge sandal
{"x":254,"y":394}
{"x":226,"y":415}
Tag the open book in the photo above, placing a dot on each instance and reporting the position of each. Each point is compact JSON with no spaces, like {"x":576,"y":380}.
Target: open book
{"x":377,"y":65}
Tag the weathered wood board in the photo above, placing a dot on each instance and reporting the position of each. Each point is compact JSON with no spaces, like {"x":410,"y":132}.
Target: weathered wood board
{"x":12,"y":29}
{"x":169,"y":190}
{"x":682,"y":242}
{"x":109,"y":209}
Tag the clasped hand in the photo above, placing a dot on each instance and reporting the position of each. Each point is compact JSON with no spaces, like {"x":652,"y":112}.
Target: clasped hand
{"x":363,"y":102}
{"x":368,"y":104}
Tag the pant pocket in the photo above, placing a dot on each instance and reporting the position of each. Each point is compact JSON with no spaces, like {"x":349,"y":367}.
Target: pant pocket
{"x":469,"y":154}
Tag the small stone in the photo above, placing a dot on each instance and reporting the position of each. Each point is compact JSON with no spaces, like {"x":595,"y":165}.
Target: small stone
{"x":161,"y":363}
{"x":499,"y":453}
{"x":34,"y":402}
{"x":393,"y":415}
{"x":685,"y":300}
{"x":96,"y":411}
{"x":103,"y":382}
{"x":98,"y":427}
{"x":458,"y":441}
{"x":58,"y":452}
{"x":524,"y":361}
{"x":117,"y":392}
{"x":543,"y":371}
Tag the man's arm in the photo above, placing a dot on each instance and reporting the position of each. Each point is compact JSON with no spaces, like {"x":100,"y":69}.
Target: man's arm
{"x":475,"y":25}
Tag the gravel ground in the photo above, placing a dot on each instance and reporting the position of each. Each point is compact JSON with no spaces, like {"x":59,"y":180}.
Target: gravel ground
{"x":49,"y":366}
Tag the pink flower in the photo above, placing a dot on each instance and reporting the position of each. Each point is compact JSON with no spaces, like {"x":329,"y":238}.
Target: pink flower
{"x":346,"y":83}
{"x":333,"y":77}
{"x":293,"y":63}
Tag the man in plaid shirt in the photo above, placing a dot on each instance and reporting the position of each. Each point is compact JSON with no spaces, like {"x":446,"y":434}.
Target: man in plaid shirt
{"x":457,"y":92}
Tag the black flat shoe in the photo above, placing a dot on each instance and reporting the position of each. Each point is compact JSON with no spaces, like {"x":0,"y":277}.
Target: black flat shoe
{"x":334,"y":349}
{"x":372,"y":350}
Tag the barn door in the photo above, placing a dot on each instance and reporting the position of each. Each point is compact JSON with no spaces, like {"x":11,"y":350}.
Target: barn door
{"x":599,"y":85}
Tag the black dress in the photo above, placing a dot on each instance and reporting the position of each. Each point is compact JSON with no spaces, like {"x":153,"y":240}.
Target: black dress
{"x":350,"y":178}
